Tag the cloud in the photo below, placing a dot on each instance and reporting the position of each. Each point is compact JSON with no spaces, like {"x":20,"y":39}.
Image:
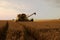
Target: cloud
{"x":10,"y":9}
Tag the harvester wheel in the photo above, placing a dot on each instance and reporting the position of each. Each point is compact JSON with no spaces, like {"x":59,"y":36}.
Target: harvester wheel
{"x":32,"y":20}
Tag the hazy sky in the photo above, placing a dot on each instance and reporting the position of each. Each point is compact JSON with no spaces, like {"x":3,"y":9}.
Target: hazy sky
{"x":45,"y":9}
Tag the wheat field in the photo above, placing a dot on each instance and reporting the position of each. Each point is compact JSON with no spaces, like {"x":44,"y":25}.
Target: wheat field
{"x":45,"y":30}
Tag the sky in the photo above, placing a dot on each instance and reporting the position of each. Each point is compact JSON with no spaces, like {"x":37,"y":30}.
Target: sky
{"x":45,"y":9}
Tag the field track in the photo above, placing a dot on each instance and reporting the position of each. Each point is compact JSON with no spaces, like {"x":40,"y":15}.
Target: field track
{"x":47,"y":30}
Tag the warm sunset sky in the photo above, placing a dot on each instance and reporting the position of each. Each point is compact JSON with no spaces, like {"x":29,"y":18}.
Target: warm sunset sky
{"x":45,"y":9}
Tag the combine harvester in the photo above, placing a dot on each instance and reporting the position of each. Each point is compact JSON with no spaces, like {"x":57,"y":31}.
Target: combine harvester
{"x":24,"y":17}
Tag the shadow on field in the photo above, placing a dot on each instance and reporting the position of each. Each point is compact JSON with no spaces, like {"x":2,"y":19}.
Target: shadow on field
{"x":3,"y":32}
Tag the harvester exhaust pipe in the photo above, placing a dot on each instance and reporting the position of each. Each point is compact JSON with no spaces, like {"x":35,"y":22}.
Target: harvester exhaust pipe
{"x":32,"y":14}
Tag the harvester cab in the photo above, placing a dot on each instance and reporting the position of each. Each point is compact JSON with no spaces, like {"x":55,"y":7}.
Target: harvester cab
{"x":24,"y":17}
